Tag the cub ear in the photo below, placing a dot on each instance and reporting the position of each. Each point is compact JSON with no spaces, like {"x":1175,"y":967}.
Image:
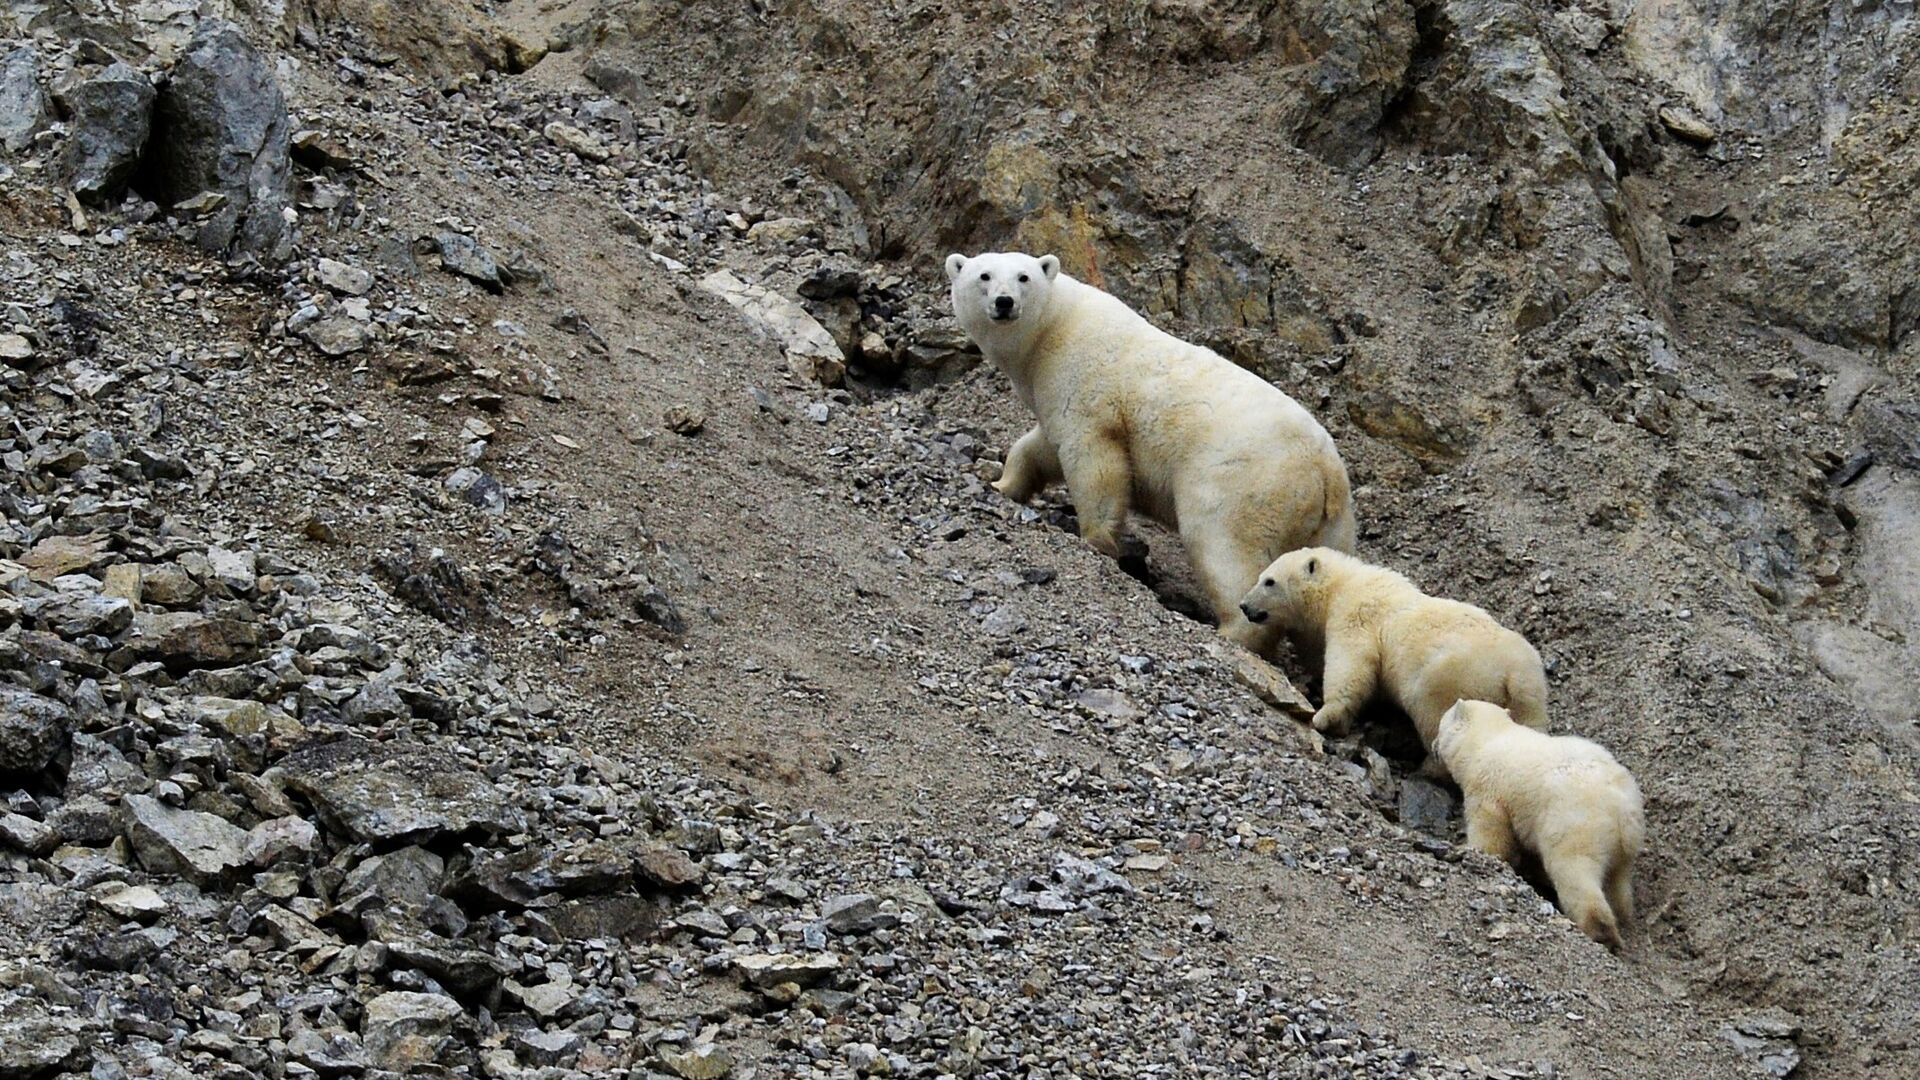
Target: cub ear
{"x":1050,"y":266}
{"x":954,"y":263}
{"x":1313,"y":566}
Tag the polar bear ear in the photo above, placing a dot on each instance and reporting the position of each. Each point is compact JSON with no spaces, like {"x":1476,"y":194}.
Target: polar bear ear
{"x":1313,"y":566}
{"x":955,"y":262}
{"x":1050,"y":266}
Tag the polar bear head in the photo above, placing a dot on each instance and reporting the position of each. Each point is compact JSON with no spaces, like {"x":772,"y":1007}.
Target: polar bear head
{"x":1459,"y":724}
{"x":1292,"y":591}
{"x":1000,"y":290}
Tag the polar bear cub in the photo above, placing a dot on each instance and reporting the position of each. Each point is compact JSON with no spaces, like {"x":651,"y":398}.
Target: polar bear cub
{"x":1133,"y":418}
{"x":1558,"y":796}
{"x":1378,"y":632}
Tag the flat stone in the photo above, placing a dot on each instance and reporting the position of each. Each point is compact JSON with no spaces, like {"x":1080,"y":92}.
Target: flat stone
{"x":344,"y":278}
{"x":546,"y":1001}
{"x":546,"y":1048}
{"x":667,"y":868}
{"x":57,"y":556}
{"x":202,"y":848}
{"x":857,"y":913}
{"x":186,"y":639}
{"x":281,"y":839}
{"x":139,"y":903}
{"x":768,"y":970}
{"x":1686,"y":126}
{"x":338,"y":335}
{"x":73,"y":615}
{"x":15,"y":348}
{"x":384,"y":793}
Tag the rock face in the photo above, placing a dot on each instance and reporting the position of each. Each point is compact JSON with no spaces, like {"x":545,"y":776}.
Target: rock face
{"x":220,"y":125}
{"x":108,"y":117}
{"x":23,"y":105}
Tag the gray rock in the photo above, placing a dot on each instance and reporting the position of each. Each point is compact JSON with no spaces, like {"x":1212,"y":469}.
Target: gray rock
{"x":187,"y":639}
{"x":220,"y":125}
{"x":385,"y":793}
{"x":140,"y":903}
{"x":33,"y":1044}
{"x":338,"y":335}
{"x":402,"y":880}
{"x":479,"y":489}
{"x":73,"y":614}
{"x":402,"y":1029}
{"x":25,"y":834}
{"x":461,"y":254}
{"x":858,"y":913}
{"x":461,"y":968}
{"x":202,"y":848}
{"x":546,"y":1048}
{"x":1425,"y":805}
{"x":23,"y":105}
{"x":768,"y":970}
{"x":345,"y":279}
{"x":108,"y":119}
{"x":33,"y":731}
{"x":281,"y":839}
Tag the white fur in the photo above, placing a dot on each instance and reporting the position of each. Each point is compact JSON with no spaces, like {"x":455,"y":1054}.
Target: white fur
{"x":1134,"y":418}
{"x":1559,"y":796}
{"x":1378,"y":632}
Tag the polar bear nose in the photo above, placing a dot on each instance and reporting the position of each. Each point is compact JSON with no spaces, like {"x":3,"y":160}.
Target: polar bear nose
{"x":1003,"y":305}
{"x":1253,"y":615}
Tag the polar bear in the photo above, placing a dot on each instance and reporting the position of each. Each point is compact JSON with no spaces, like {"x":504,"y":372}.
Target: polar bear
{"x":1132,"y":417}
{"x":1375,"y":630}
{"x":1560,"y":797}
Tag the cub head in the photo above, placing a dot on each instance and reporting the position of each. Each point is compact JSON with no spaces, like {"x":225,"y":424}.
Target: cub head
{"x":1292,"y":590}
{"x":1000,"y":289}
{"x":1458,"y":724}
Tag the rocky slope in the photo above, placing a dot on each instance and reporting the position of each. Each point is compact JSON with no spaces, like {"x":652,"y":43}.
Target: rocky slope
{"x":499,"y":578}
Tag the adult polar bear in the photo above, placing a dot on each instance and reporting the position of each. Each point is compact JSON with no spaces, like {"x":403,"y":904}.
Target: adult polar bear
{"x":1132,"y":417}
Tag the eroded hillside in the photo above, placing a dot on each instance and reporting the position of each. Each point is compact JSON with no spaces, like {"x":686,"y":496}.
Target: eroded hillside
{"x":472,"y":646}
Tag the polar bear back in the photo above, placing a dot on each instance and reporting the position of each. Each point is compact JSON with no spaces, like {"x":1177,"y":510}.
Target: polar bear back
{"x":1192,"y":417}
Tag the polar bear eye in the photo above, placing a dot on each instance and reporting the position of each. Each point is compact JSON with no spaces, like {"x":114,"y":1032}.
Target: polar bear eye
{"x":1023,"y":277}
{"x":1268,"y":583}
{"x":986,"y":277}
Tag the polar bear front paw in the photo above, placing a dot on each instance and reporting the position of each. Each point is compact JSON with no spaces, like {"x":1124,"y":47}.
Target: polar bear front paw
{"x":1329,"y":721}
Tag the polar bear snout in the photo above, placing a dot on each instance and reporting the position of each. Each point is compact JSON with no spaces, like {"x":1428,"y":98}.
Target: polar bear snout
{"x":1005,"y":309}
{"x":1253,"y":614}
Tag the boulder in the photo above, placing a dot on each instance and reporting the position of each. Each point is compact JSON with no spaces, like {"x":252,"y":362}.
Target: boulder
{"x":202,"y":848}
{"x":33,"y":731}
{"x":403,"y":1029}
{"x":380,"y":793}
{"x":108,"y":120}
{"x":220,"y":125}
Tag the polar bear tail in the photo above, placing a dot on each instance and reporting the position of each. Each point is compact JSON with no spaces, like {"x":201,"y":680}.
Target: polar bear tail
{"x":1527,"y":699}
{"x":1577,"y":882}
{"x":1336,"y":511}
